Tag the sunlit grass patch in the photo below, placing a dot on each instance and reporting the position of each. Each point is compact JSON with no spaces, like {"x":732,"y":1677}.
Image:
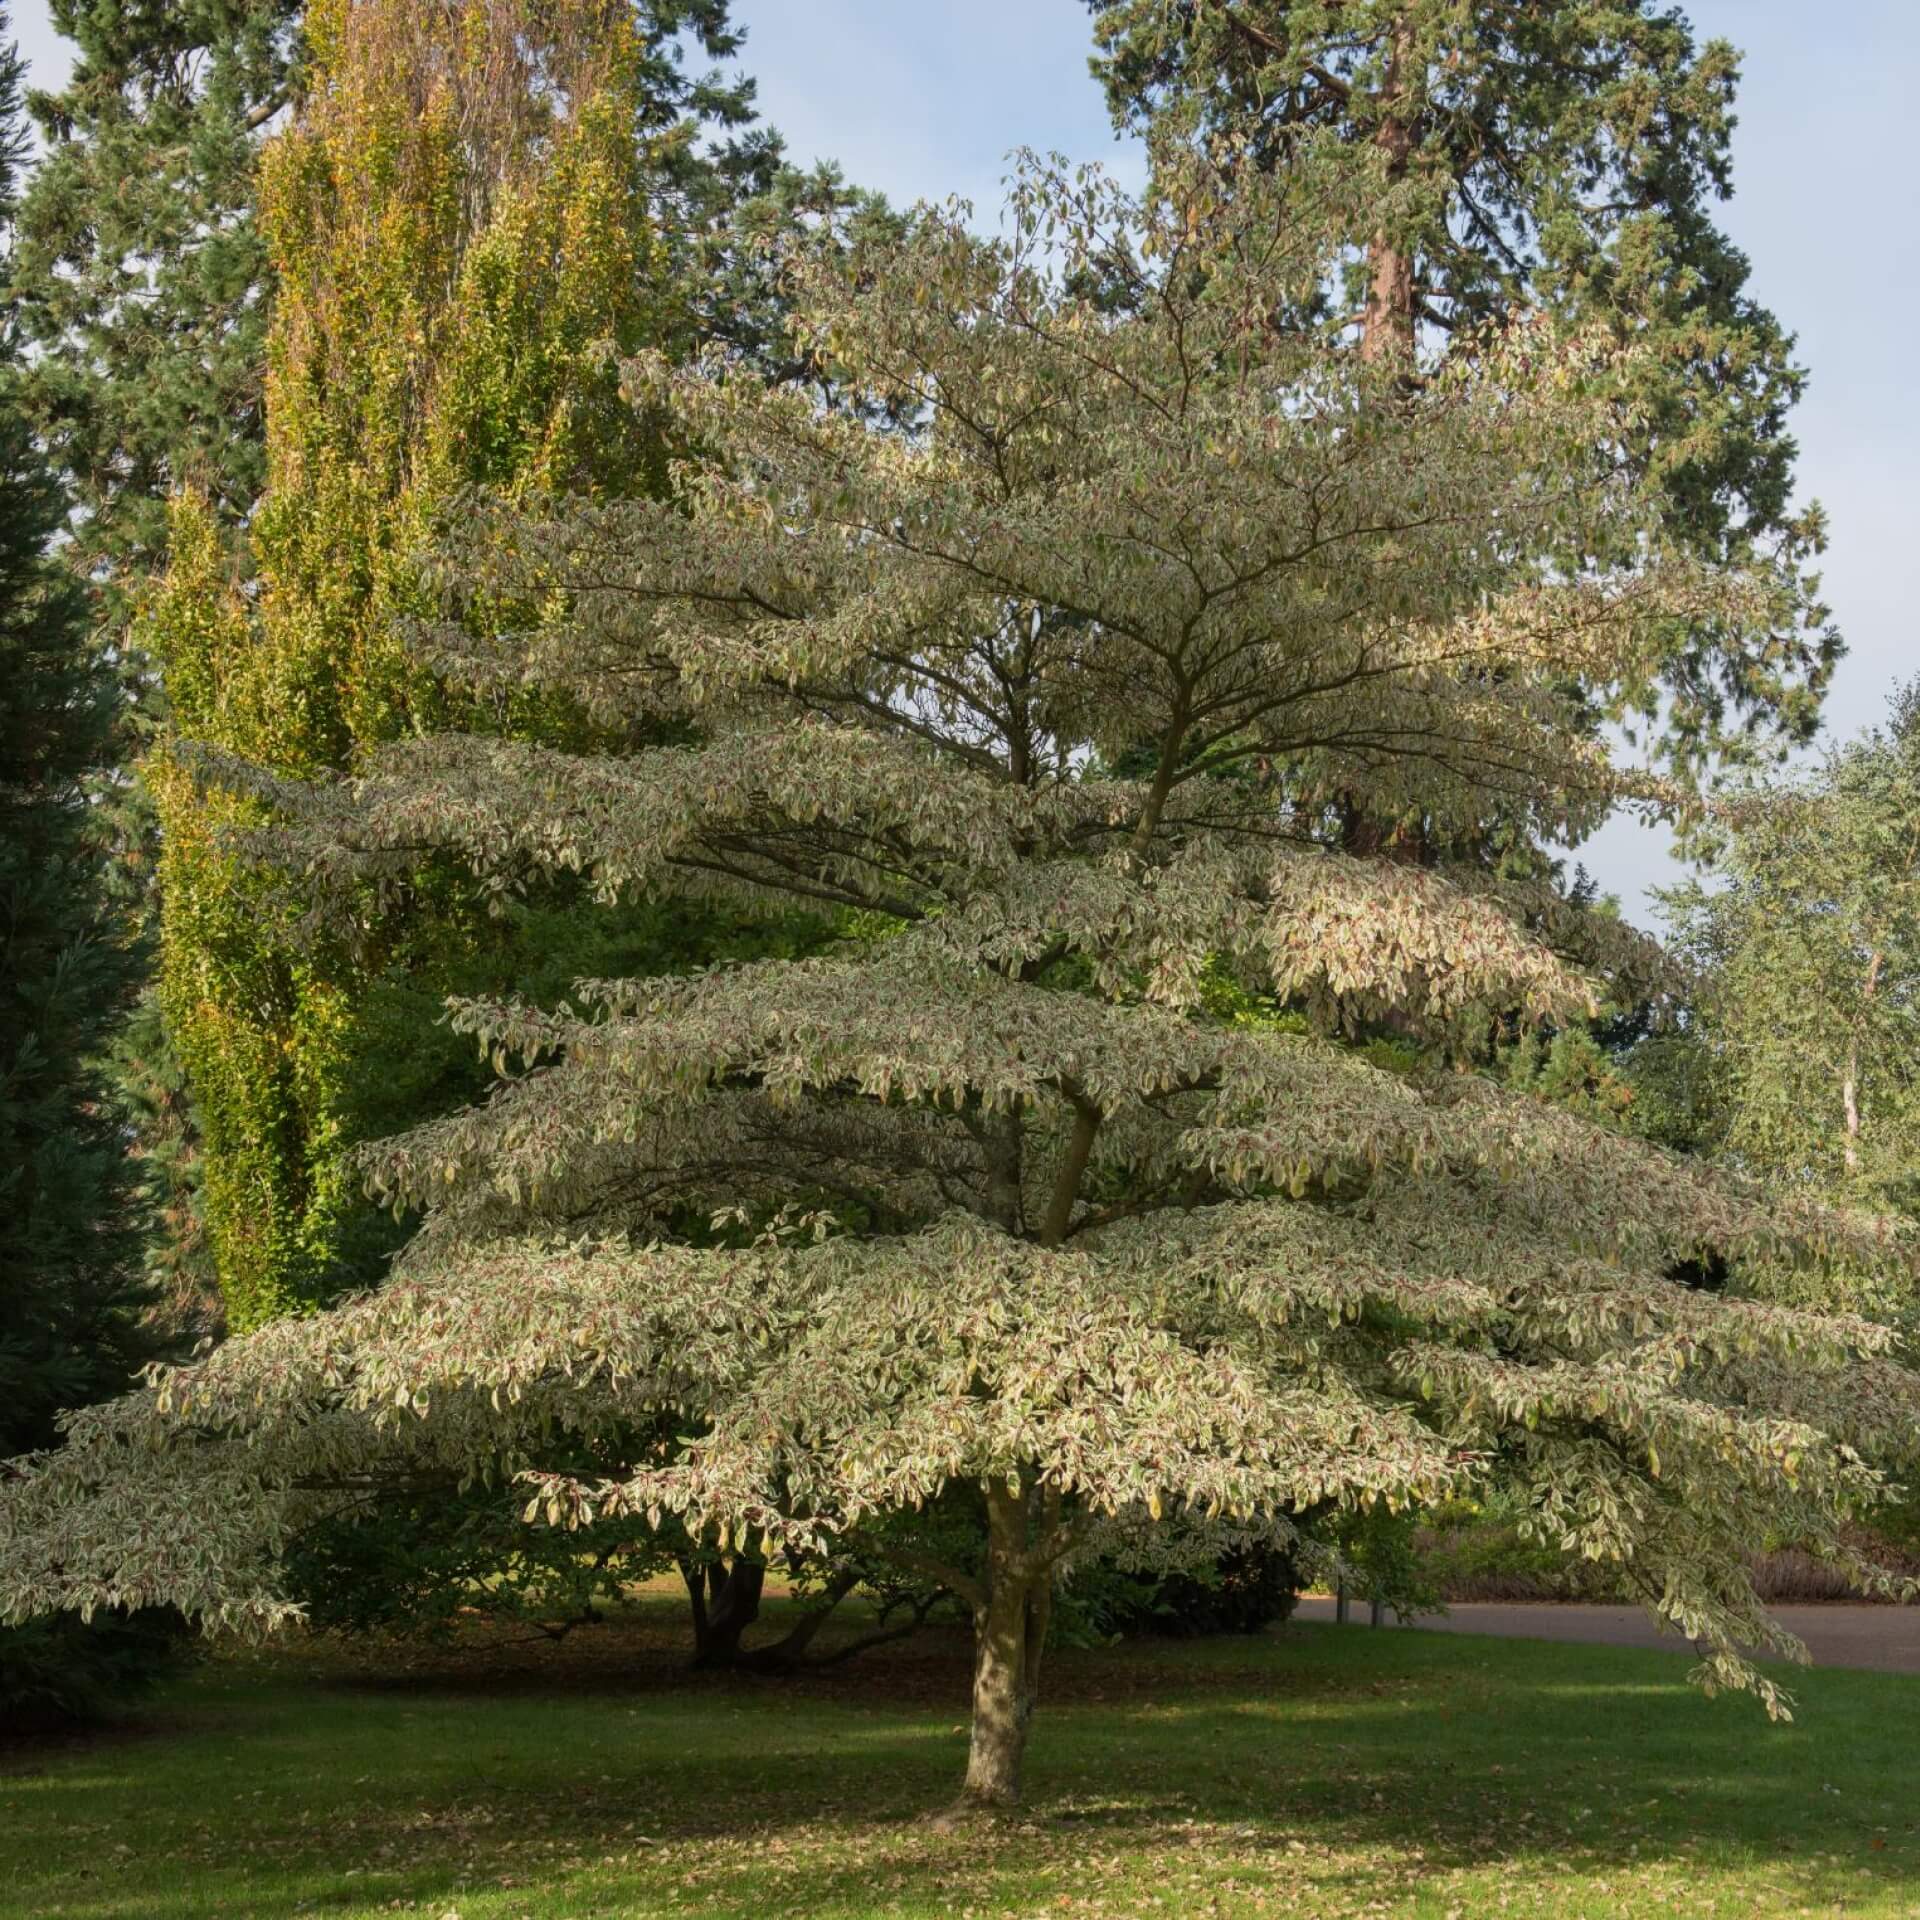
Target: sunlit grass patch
{"x":1321,"y":1773}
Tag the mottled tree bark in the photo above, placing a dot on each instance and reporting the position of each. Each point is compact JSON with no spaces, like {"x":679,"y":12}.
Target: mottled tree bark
{"x":1014,"y":1596}
{"x":1387,"y":331}
{"x":1006,"y":1657}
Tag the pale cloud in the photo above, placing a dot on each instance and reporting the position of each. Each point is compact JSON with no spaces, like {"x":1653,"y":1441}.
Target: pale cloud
{"x":923,"y":99}
{"x":48,"y":56}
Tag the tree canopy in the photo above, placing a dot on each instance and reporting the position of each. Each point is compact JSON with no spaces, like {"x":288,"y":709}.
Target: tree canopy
{"x":999,"y":1198}
{"x":1807,"y":940}
{"x":1566,"y":156}
{"x":71,"y":1305}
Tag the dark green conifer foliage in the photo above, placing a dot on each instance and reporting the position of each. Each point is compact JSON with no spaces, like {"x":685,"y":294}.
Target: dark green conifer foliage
{"x":1571,"y":152}
{"x":141,"y":277}
{"x":65,"y":1244}
{"x":70,"y":1289}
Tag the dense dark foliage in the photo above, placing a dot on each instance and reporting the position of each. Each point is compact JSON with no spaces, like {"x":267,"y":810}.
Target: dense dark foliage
{"x":1570,"y":154}
{"x":71,"y":1296}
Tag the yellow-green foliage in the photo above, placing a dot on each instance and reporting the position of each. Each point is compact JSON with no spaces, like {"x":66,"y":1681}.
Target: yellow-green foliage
{"x":458,"y":226}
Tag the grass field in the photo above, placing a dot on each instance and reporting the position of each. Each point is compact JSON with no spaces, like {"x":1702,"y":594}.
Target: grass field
{"x":1318,"y":1772}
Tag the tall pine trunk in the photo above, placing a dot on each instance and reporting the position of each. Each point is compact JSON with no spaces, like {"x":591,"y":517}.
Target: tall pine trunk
{"x":1388,"y":332}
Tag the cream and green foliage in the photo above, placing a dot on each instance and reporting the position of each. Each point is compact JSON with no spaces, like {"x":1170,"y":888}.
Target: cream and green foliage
{"x":457,"y":222}
{"x":1011,"y":1209}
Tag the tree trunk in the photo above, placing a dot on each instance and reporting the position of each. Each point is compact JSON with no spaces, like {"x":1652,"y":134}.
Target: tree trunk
{"x":1009,"y":1626}
{"x":1850,"y":1086}
{"x":1388,"y":332}
{"x":696,"y":1584}
{"x":725,"y":1603}
{"x":790,"y":1650}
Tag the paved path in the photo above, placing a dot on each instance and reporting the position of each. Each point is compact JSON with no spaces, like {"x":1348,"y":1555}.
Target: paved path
{"x":1886,"y":1639}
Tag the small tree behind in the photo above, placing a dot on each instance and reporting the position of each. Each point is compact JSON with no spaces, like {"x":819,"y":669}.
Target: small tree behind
{"x":1808,"y":946}
{"x":1060,"y":685}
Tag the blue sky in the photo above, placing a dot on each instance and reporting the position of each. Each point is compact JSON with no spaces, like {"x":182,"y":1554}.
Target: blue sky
{"x":923,"y":98}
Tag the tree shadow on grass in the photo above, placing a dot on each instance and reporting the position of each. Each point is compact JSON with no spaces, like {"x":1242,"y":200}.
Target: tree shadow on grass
{"x":1343,"y":1763}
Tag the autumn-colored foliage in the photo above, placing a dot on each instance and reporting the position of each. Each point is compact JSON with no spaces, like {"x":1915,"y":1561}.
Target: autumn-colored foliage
{"x":458,"y":225}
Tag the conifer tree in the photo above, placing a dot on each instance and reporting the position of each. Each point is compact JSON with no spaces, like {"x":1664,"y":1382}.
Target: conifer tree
{"x":64,"y":1215}
{"x":1567,"y":155}
{"x":70,"y":1292}
{"x":993,"y":1206}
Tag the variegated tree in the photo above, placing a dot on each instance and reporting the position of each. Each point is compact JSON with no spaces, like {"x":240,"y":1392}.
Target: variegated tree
{"x":1053,"y":661}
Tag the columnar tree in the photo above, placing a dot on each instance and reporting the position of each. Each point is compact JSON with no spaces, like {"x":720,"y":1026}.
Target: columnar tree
{"x":1566,"y":155}
{"x":992,"y":1205}
{"x":457,"y":221}
{"x":145,"y":280}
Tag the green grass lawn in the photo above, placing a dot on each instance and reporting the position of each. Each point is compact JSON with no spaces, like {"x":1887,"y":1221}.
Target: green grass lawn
{"x":1318,"y":1772}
